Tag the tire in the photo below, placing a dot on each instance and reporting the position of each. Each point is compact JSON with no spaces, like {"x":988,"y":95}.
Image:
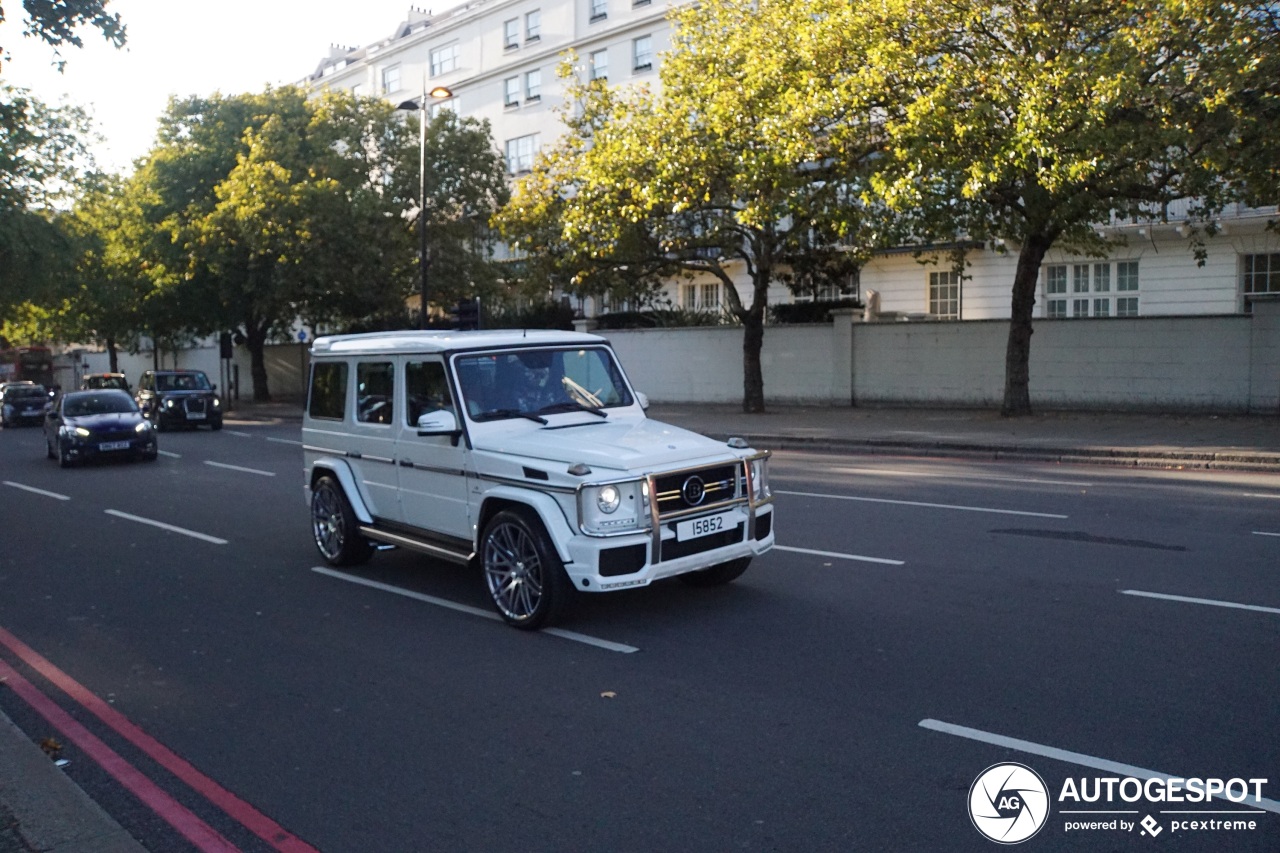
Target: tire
{"x":522,"y":572}
{"x":334,"y":526}
{"x":717,"y":575}
{"x":48,"y":449}
{"x":150,"y":457}
{"x":63,"y":461}
{"x":215,"y":426}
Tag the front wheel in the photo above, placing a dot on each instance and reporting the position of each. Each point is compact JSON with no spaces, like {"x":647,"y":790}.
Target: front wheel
{"x":64,"y":461}
{"x":718,"y":575}
{"x":335,"y":526}
{"x":522,"y":571}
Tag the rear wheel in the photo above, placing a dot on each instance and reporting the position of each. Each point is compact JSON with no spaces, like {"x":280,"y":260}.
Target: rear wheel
{"x":335,"y":527}
{"x":718,"y":575}
{"x":522,"y":571}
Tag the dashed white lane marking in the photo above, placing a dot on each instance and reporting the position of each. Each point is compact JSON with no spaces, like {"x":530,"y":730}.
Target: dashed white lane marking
{"x":241,"y":434}
{"x":921,"y":504}
{"x":170,"y":454}
{"x":171,"y":528}
{"x":36,"y":491}
{"x":1078,"y":758}
{"x":472,"y":611}
{"x":285,"y":441}
{"x":1264,"y":533}
{"x":1258,"y":608}
{"x":840,"y":556}
{"x":241,"y":469}
{"x":1260,"y":495}
{"x":934,"y":475}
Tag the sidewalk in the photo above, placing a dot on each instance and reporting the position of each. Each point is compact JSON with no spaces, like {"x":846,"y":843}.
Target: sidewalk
{"x":41,"y":809}
{"x":1239,"y":442}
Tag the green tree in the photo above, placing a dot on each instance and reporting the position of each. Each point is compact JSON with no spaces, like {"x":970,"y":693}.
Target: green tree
{"x":711,"y":178}
{"x":56,"y":22}
{"x":1032,"y":122}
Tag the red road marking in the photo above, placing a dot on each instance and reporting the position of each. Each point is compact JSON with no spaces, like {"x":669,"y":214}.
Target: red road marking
{"x":174,"y":813}
{"x":255,"y":821}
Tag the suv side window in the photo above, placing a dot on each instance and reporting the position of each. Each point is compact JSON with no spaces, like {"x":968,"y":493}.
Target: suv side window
{"x":426,"y":390}
{"x":328,"y":390}
{"x":375,"y":392}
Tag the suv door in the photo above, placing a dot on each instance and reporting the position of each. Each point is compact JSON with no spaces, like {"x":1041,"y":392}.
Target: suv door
{"x":372,"y":446}
{"x":433,"y":468}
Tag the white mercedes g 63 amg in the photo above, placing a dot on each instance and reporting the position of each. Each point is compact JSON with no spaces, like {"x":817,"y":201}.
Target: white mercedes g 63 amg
{"x":527,"y":452}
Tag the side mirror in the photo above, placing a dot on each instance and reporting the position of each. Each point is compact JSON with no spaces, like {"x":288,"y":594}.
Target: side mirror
{"x":440,"y":422}
{"x":643,"y":400}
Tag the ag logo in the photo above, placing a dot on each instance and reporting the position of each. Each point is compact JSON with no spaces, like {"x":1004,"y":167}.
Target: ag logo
{"x":1008,"y":803}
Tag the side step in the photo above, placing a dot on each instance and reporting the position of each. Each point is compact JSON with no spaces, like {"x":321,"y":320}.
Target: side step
{"x":444,"y":553}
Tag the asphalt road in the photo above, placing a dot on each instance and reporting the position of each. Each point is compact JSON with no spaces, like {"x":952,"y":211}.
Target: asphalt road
{"x":843,"y":695}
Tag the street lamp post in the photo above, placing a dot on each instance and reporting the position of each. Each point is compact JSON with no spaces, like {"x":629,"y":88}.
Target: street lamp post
{"x":439,"y":93}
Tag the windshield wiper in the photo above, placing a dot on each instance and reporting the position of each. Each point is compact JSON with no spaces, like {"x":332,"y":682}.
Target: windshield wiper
{"x":494,"y":414}
{"x":572,"y":406}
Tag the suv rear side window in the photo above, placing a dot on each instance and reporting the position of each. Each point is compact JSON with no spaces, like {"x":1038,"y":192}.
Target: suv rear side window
{"x":328,"y":390}
{"x":375,"y":392}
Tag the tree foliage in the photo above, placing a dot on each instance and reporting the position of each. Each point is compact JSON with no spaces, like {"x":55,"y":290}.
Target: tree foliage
{"x":56,"y":23}
{"x":1034,"y":122}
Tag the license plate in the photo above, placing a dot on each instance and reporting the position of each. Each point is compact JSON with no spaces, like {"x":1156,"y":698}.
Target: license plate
{"x":695,"y":528}
{"x":195,"y":416}
{"x":26,"y":413}
{"x":114,"y":445}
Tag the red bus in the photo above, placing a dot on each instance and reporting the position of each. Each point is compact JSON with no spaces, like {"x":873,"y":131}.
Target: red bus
{"x":34,"y":364}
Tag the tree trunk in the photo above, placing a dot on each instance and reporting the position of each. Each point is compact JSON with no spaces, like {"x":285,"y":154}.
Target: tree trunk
{"x":1017,"y":359}
{"x":752,"y":374}
{"x":113,"y":356}
{"x":256,"y":343}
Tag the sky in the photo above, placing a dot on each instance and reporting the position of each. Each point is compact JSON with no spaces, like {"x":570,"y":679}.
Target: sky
{"x":188,"y":47}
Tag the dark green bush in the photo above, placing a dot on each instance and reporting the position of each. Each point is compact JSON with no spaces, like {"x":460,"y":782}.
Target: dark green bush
{"x":809,"y":312}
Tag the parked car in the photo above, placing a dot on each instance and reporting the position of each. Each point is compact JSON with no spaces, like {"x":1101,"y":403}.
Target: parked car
{"x":22,"y":403}
{"x":86,"y":425}
{"x":170,"y":398}
{"x":527,"y":453}
{"x":93,"y":381}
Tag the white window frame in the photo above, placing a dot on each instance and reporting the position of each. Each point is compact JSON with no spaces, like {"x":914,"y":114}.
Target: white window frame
{"x":511,"y":92}
{"x":1259,"y":276}
{"x":533,"y":25}
{"x":533,"y":85}
{"x":944,"y":294}
{"x":642,"y":54}
{"x":444,"y":59}
{"x":700,"y":296}
{"x":599,"y":69}
{"x":598,"y":10}
{"x":390,"y":79}
{"x":1097,"y":289}
{"x":511,"y":34}
{"x":520,"y":152}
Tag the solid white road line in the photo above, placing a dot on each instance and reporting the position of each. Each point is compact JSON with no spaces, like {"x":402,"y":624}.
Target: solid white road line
{"x":285,"y":441}
{"x":170,"y":454}
{"x":936,"y":475}
{"x":921,"y":504}
{"x":1260,"y":495}
{"x":1072,"y":757}
{"x":1264,"y":533}
{"x":241,"y":469}
{"x":36,"y":491}
{"x":471,"y":611}
{"x":171,"y":528}
{"x":1212,"y":602}
{"x":838,"y":556}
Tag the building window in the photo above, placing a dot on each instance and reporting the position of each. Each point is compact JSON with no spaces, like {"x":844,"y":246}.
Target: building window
{"x":511,"y":92}
{"x":1091,"y":289}
{"x":944,"y":295}
{"x":599,"y":10}
{"x":533,"y":25}
{"x":533,"y":85}
{"x":600,"y":65}
{"x":1261,"y":275}
{"x":438,"y":107}
{"x":444,"y":60}
{"x":391,"y":79}
{"x":511,"y":34}
{"x":700,"y":297}
{"x":520,"y":153}
{"x":642,"y":53}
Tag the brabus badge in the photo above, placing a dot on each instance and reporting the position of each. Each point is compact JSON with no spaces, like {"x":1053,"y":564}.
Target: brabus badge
{"x":694,"y":491}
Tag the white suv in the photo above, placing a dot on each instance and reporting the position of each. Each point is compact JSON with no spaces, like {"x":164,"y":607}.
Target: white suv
{"x":528,"y":452}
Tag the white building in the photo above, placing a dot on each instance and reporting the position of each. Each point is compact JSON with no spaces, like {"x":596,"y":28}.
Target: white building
{"x":499,"y":59}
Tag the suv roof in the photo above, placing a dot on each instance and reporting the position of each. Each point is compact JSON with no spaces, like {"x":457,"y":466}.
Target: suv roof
{"x":442,"y":341}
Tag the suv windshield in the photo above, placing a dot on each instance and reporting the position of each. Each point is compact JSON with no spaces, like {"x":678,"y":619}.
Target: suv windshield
{"x":182,"y":382}
{"x":26,"y":391}
{"x":522,"y":383}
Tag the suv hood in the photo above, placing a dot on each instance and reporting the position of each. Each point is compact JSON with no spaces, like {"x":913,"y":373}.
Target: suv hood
{"x":603,"y":444}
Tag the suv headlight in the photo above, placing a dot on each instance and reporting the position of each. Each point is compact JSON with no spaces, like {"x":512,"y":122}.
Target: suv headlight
{"x":612,"y":508}
{"x":142,"y":427}
{"x":759,"y":478}
{"x":81,"y":432}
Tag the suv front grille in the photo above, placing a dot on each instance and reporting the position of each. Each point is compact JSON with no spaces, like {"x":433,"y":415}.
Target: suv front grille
{"x":196,"y":404}
{"x":695,"y":489}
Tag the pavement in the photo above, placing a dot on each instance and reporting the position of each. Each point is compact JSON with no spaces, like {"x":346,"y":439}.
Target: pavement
{"x":41,"y":809}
